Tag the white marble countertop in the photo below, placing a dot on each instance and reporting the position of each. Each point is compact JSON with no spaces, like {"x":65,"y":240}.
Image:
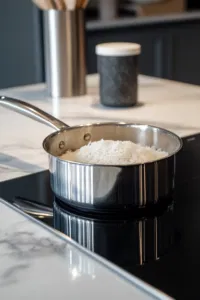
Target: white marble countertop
{"x":172,"y":105}
{"x":40,"y":263}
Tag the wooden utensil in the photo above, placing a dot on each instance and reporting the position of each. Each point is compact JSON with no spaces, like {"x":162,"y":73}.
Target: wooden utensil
{"x":82,"y":3}
{"x":79,"y":3}
{"x":70,"y":4}
{"x":73,"y":4}
{"x":59,"y":4}
{"x":50,"y":4}
{"x":44,"y":4}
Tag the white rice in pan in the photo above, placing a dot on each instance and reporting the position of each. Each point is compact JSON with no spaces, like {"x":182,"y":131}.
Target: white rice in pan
{"x":108,"y":152}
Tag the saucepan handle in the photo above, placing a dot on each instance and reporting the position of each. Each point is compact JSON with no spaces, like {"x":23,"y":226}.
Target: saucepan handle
{"x":32,"y":112}
{"x":32,"y":208}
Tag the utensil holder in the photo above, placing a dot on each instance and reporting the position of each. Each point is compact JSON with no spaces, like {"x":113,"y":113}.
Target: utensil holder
{"x":64,"y":36}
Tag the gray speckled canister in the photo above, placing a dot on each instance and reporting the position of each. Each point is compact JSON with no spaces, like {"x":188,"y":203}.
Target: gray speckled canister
{"x":118,"y":71}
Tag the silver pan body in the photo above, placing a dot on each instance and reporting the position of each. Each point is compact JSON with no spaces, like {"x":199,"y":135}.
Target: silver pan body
{"x":110,"y":188}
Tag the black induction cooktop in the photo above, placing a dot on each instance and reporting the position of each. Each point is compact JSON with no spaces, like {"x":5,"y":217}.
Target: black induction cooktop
{"x":160,"y":246}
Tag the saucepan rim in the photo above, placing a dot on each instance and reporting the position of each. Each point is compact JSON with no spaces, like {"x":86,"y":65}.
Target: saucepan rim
{"x":123,"y":124}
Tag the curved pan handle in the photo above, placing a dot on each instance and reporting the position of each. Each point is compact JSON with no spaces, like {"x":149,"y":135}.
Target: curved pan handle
{"x":32,"y":112}
{"x":33,"y":208}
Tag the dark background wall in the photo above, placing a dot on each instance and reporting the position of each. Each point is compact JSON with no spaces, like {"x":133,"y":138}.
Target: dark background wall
{"x":20,"y":46}
{"x":170,"y":45}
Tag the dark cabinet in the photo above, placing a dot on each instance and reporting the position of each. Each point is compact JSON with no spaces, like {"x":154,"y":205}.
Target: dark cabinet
{"x":184,"y":46}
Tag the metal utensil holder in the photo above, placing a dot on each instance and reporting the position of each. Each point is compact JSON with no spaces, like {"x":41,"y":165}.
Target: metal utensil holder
{"x":64,"y":36}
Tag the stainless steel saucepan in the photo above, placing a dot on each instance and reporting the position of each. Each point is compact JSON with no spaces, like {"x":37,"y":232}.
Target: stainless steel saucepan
{"x":106,"y":188}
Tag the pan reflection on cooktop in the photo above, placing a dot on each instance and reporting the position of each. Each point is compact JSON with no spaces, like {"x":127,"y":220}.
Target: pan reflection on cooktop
{"x":123,"y":241}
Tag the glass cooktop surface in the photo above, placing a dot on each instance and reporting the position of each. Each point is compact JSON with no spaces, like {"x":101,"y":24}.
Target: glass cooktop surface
{"x":161,"y":246}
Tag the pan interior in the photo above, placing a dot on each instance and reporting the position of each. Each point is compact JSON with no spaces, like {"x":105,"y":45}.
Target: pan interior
{"x":75,"y":137}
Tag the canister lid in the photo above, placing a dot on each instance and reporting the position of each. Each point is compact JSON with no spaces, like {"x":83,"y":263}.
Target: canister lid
{"x":118,"y":49}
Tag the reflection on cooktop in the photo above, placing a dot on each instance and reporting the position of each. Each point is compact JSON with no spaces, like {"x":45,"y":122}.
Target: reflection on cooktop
{"x":125,"y":242}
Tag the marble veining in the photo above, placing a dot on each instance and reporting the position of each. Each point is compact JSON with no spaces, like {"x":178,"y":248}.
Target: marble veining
{"x":171,"y":105}
{"x":36,"y":263}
